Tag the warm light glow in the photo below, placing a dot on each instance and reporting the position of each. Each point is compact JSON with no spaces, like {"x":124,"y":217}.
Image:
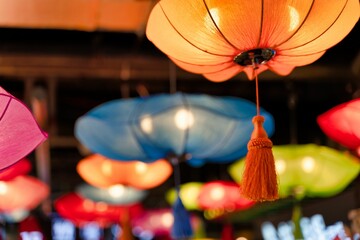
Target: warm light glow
{"x":242,"y":238}
{"x":184,"y":119}
{"x":106,"y":168}
{"x":214,"y":12}
{"x":141,"y":167}
{"x":167,"y":219}
{"x":280,"y":166}
{"x":308,"y":164}
{"x":358,"y":151}
{"x":101,"y":206}
{"x":294,"y":18}
{"x":190,"y":192}
{"x":3,"y":188}
{"x":116,"y":191}
{"x":217,"y":193}
{"x":146,"y":124}
{"x":88,"y":205}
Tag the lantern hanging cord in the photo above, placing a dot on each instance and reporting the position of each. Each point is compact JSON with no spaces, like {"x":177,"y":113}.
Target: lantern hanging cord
{"x":254,"y":64}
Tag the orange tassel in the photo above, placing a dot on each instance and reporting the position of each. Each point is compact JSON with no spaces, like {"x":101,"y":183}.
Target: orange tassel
{"x":259,"y":182}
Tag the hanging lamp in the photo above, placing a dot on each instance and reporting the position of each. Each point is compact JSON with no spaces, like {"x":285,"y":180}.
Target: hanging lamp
{"x":341,"y":124}
{"x":103,"y":172}
{"x":221,"y":38}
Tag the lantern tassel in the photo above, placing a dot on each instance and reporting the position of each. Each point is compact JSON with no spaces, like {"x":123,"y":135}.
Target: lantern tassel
{"x":259,"y":181}
{"x":182,"y":227}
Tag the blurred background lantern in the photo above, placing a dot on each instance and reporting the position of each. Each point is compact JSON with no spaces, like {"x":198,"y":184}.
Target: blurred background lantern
{"x":178,"y":124}
{"x":117,"y":194}
{"x":100,"y":171}
{"x":219,"y":38}
{"x":22,"y":192}
{"x":20,"y":133}
{"x":223,"y":197}
{"x":341,"y":124}
{"x":309,"y":170}
{"x":80,"y":211}
{"x":189,"y":193}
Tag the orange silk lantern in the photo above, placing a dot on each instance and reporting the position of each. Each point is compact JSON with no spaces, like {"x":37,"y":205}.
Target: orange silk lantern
{"x":100,"y":171}
{"x":221,"y":38}
{"x":22,"y":192}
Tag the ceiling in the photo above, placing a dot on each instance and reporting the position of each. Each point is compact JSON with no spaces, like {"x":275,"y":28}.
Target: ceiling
{"x":75,"y":67}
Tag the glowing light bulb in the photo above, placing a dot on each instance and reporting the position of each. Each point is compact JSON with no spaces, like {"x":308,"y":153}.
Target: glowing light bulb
{"x":106,"y":168}
{"x":141,"y":167}
{"x":101,"y":206}
{"x":146,"y":124}
{"x":3,"y":188}
{"x":214,"y":12}
{"x":167,"y":219}
{"x":184,"y":119}
{"x":217,"y":193}
{"x":280,"y":166}
{"x":294,"y":18}
{"x":116,"y":191}
{"x":88,"y":205}
{"x":308,"y":164}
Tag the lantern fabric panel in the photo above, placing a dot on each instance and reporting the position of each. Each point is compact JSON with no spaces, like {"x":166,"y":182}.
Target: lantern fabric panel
{"x":20,"y":134}
{"x":100,"y":171}
{"x":201,"y":35}
{"x":341,"y":123}
{"x":209,"y":129}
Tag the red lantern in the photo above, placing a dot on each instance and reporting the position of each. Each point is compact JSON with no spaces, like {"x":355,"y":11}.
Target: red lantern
{"x":100,"y":171}
{"x":222,"y":195}
{"x":341,"y":124}
{"x":81,"y":211}
{"x":22,"y":192}
{"x":20,"y":168}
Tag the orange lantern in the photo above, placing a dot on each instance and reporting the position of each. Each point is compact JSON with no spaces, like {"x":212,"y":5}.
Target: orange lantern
{"x":221,"y":38}
{"x":22,"y":192}
{"x":100,"y":171}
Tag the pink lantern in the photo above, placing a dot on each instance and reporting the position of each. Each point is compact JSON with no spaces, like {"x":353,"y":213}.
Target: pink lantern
{"x":19,"y":132}
{"x":22,"y":167}
{"x":341,"y":124}
{"x":22,"y":192}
